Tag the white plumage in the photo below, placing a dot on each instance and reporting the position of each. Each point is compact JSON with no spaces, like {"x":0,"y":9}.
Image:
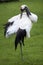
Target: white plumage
{"x":20,"y":24}
{"x":14,"y":18}
{"x":33,"y":17}
{"x":23,"y":23}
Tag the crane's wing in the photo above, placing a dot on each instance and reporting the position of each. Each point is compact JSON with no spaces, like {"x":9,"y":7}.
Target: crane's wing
{"x":14,"y":18}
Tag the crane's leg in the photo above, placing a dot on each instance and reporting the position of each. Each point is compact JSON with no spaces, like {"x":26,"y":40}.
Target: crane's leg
{"x":21,"y":51}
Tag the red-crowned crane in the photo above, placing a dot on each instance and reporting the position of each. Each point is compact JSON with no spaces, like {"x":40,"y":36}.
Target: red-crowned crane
{"x":20,"y":24}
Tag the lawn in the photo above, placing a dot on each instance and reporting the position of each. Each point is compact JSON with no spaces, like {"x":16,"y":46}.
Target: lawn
{"x":33,"y":49}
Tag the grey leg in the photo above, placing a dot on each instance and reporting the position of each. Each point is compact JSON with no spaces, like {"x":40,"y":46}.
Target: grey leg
{"x":21,"y":51}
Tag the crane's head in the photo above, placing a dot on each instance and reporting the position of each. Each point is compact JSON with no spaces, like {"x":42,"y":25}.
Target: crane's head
{"x":25,"y":8}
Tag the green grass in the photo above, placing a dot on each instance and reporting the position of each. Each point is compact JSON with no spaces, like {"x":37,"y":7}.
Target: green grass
{"x":33,"y":49}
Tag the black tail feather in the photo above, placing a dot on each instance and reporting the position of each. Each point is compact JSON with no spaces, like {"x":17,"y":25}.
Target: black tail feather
{"x":16,"y":43}
{"x":20,"y":37}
